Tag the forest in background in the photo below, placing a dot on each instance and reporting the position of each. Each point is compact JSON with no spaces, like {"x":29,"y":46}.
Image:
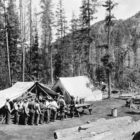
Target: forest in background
{"x":108,"y":48}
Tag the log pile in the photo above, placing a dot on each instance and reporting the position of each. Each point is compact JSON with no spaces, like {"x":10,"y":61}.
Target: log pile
{"x":102,"y":129}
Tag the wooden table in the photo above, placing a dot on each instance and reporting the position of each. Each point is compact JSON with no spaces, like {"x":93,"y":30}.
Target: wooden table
{"x":81,"y":107}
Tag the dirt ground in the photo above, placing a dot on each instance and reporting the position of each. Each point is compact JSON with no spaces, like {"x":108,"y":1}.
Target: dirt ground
{"x":101,"y":109}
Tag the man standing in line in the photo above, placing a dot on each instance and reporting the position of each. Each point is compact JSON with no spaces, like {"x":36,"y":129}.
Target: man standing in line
{"x":37,"y":112}
{"x":7,"y":111}
{"x":42,"y":109}
{"x":16,"y":114}
{"x":72,"y":106}
{"x":47,"y":112}
{"x":25,"y":112}
{"x":53,"y":107}
{"x":62,"y":105}
{"x":31,"y":107}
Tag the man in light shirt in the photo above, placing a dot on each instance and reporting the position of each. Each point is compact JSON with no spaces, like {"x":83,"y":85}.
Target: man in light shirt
{"x":47,"y":103}
{"x":53,"y":104}
{"x":47,"y":111}
{"x":25,"y":111}
{"x":37,"y":112}
{"x":16,"y":112}
{"x":62,"y":105}
{"x":53,"y":107}
{"x":20,"y":105}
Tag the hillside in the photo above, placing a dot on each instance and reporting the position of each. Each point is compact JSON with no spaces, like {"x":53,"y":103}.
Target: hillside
{"x":125,"y":34}
{"x":125,"y":50}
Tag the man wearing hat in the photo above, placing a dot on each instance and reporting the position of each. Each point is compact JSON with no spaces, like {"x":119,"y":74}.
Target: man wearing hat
{"x":7,"y":111}
{"x":61,"y":104}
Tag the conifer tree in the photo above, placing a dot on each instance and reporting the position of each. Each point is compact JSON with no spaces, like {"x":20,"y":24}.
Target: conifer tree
{"x":61,"y":32}
{"x":35,"y":58}
{"x":88,"y":9}
{"x":61,"y":23}
{"x":4,"y":80}
{"x":47,"y":21}
{"x":73,"y":49}
{"x":109,"y":5}
{"x":107,"y":62}
{"x":13,"y":35}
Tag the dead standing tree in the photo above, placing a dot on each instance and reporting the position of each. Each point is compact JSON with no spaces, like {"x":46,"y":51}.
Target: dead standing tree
{"x":7,"y":42}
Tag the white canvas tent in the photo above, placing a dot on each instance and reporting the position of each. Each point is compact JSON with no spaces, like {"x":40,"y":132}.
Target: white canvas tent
{"x":79,"y":86}
{"x":21,"y":88}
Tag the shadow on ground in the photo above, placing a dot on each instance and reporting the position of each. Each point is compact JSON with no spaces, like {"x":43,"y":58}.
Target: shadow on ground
{"x":133,"y":113}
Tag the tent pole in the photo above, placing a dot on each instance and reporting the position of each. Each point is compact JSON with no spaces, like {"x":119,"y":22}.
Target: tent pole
{"x":43,"y":90}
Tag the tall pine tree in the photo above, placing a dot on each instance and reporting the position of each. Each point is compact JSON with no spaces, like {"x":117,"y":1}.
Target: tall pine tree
{"x":35,"y":69}
{"x":13,"y":35}
{"x":61,"y":31}
{"x":47,"y":49}
{"x":4,"y":80}
{"x":107,"y":62}
{"x":88,"y":10}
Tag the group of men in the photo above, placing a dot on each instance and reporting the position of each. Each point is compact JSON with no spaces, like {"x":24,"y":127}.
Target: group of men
{"x":35,"y":111}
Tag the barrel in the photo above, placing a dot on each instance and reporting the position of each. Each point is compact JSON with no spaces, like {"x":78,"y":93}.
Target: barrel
{"x":114,"y":112}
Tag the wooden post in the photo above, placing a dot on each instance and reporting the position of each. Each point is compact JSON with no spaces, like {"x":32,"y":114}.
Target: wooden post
{"x":109,"y":84}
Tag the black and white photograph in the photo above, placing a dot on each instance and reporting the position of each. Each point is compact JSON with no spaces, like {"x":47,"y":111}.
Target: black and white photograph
{"x":69,"y":70}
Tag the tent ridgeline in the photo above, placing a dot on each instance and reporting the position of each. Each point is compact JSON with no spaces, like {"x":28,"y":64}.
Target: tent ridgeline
{"x":79,"y":87}
{"x":19,"y":89}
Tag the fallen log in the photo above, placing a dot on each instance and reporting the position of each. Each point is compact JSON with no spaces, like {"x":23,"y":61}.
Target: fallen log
{"x":64,"y":132}
{"x":94,"y":130}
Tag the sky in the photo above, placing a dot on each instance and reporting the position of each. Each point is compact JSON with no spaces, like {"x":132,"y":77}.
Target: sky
{"x":124,"y":9}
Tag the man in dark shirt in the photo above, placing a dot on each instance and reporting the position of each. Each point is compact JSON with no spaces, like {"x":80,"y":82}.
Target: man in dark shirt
{"x":31,"y":107}
{"x":7,"y":111}
{"x":37,"y":112}
{"x":25,"y":111}
{"x":72,"y":106}
{"x":62,"y":105}
{"x":42,"y":109}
